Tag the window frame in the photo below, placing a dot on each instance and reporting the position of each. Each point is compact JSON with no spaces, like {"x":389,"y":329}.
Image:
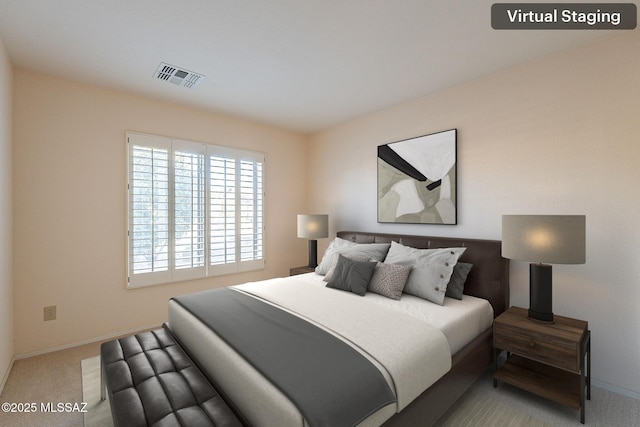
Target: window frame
{"x":173,"y":273}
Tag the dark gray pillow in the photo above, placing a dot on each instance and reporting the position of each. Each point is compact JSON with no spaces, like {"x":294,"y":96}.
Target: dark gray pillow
{"x":455,"y":288}
{"x":329,"y":274}
{"x":352,"y":276}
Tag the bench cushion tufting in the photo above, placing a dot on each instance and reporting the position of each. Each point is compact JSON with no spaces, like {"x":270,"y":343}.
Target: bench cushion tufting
{"x":152,"y":382}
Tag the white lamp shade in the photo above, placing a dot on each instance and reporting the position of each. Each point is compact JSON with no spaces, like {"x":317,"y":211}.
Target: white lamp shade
{"x":549,"y":239}
{"x":313,"y":226}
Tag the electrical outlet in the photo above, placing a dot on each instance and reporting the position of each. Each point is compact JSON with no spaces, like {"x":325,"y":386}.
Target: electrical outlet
{"x":50,"y":313}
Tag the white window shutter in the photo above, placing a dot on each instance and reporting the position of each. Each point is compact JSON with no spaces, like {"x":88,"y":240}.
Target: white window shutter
{"x":148,"y":210}
{"x":189,"y":211}
{"x":251,"y":211}
{"x":195,"y":210}
{"x":222,"y":202}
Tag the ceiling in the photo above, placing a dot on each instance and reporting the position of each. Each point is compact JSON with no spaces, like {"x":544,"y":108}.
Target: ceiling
{"x":304,"y":65}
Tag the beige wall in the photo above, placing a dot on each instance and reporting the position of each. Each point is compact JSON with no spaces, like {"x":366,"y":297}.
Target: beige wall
{"x":6,"y":285}
{"x":70,"y":205}
{"x":556,"y":136}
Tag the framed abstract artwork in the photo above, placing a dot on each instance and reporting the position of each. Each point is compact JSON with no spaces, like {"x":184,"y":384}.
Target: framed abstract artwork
{"x":417,"y":180}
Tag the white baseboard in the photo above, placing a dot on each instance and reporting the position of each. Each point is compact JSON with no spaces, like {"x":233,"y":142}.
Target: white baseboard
{"x":6,"y":374}
{"x":615,"y":389}
{"x":87,"y":341}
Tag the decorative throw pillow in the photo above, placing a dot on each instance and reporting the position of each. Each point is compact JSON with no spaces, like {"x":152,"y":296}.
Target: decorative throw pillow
{"x":432,"y":269}
{"x":352,"y":276}
{"x":389,"y":279}
{"x":353,"y":257}
{"x":455,"y":287}
{"x":374,"y":251}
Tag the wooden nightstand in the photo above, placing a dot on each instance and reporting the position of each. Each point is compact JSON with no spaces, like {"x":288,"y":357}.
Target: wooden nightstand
{"x":300,"y":270}
{"x":547,"y":359}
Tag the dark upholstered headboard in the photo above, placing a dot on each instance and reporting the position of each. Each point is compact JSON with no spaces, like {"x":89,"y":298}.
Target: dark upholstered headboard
{"x":489,"y":277}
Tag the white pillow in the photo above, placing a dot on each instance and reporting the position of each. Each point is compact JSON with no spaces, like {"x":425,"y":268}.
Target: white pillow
{"x":373,"y":251}
{"x":431,"y":270}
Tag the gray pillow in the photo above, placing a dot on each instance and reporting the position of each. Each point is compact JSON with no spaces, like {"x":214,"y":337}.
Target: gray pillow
{"x":389,"y":279}
{"x":352,"y":257}
{"x":432,"y":269}
{"x":352,"y":276}
{"x":375,"y":251}
{"x":337,"y":245}
{"x":455,"y":287}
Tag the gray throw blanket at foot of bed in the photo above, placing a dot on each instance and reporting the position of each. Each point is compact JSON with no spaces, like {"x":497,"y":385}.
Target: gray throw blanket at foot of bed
{"x":331,"y":383}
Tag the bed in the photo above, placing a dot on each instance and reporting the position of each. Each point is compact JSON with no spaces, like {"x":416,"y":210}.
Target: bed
{"x":421,"y":399}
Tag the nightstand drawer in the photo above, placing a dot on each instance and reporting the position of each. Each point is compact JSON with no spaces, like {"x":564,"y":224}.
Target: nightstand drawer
{"x":557,"y":344}
{"x":557,"y":352}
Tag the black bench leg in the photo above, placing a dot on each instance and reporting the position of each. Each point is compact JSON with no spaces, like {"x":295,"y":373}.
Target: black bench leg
{"x":103,"y":382}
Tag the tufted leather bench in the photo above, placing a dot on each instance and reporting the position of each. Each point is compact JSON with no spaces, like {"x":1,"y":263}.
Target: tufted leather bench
{"x":152,"y":382}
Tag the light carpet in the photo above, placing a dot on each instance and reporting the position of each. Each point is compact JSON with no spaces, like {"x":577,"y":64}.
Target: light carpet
{"x":98,"y":411}
{"x":482,"y":410}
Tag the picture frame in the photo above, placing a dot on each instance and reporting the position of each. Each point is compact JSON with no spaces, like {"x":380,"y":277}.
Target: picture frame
{"x":417,"y":180}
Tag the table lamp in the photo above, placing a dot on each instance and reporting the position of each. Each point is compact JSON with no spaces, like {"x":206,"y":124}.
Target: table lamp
{"x":313,"y":227}
{"x":543,"y":240}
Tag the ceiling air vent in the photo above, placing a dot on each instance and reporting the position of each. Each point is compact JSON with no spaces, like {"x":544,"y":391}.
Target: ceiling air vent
{"x":178,"y":76}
